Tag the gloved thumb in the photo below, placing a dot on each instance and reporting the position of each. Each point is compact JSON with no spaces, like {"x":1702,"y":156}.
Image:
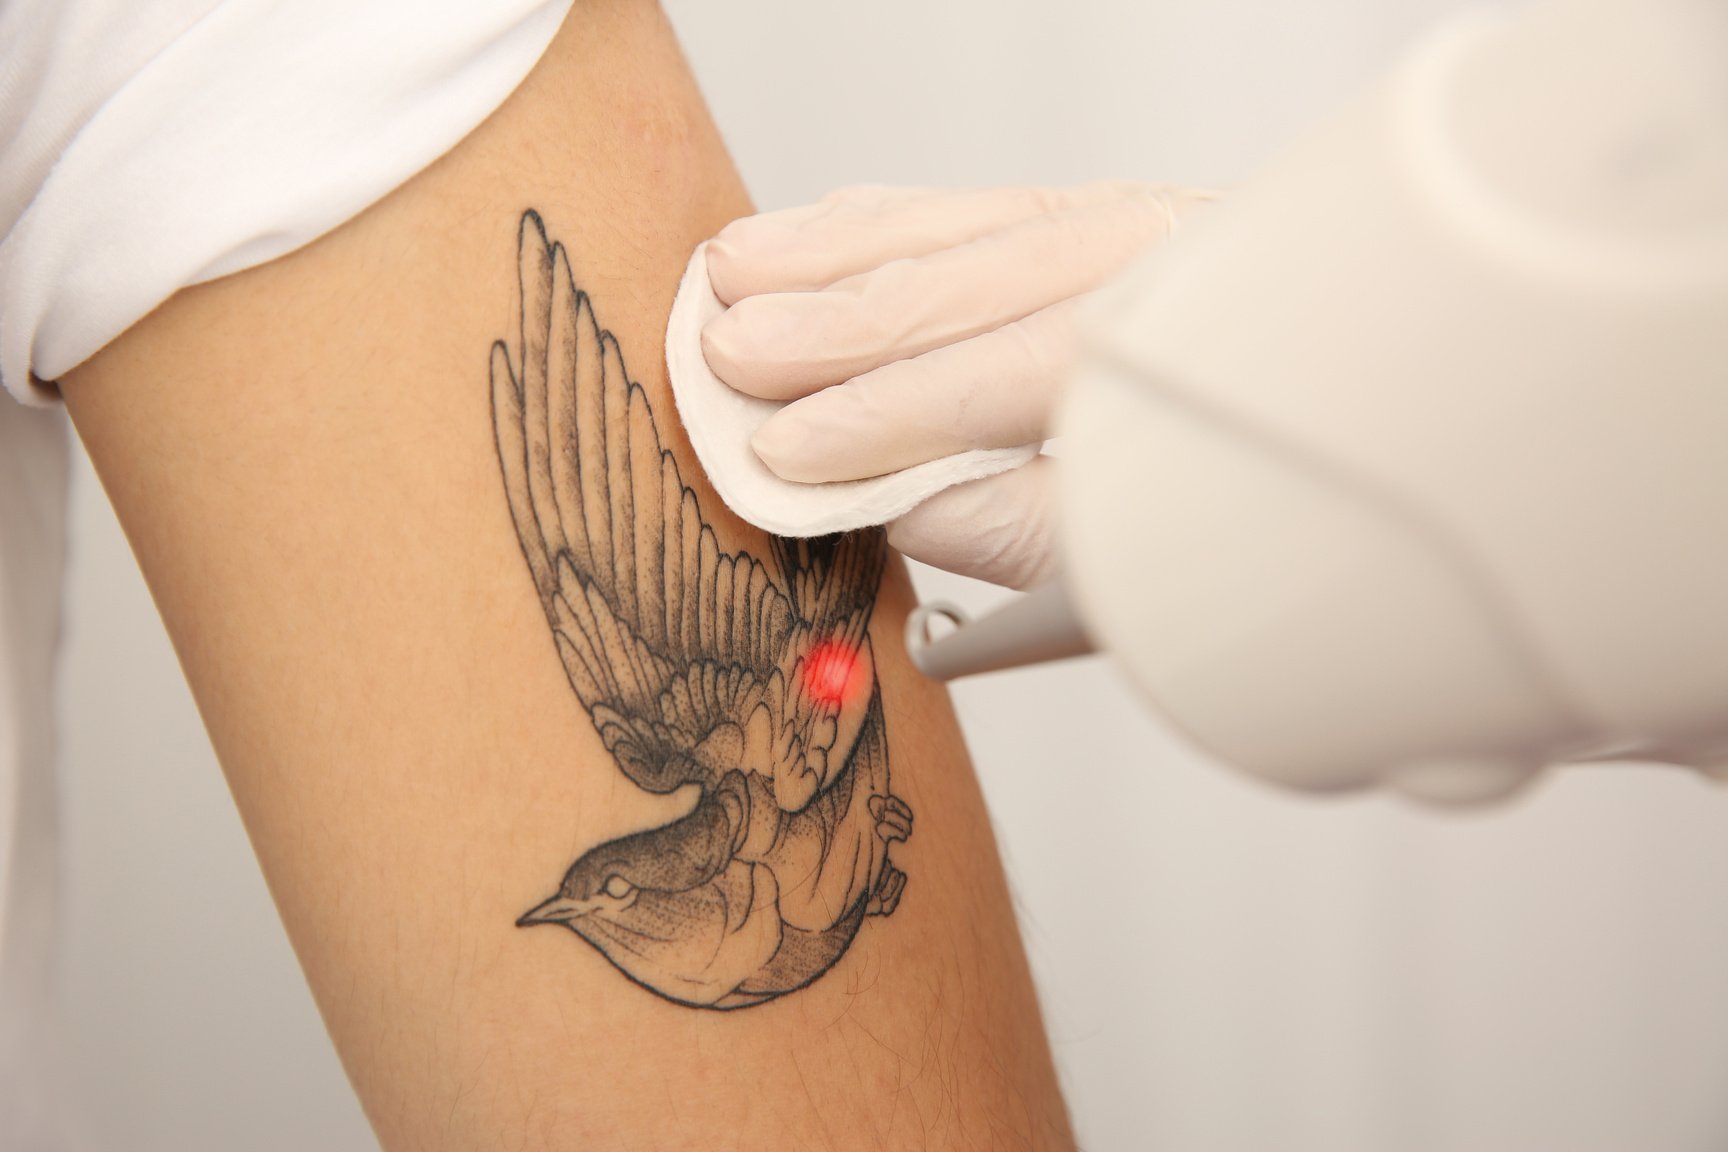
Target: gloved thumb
{"x":999,"y":529}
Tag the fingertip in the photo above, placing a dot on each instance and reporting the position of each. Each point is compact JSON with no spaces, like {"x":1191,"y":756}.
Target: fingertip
{"x":733,"y":351}
{"x":764,"y":346}
{"x":725,"y":274}
{"x":783,"y":445}
{"x":720,"y":350}
{"x":750,"y":256}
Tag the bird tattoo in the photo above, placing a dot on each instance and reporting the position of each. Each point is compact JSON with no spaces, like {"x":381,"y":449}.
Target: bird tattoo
{"x":749,"y":682}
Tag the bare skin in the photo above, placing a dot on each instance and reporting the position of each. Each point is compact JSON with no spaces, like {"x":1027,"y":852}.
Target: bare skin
{"x":305,"y":460}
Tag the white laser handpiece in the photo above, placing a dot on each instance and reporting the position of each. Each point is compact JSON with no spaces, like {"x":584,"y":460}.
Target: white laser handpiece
{"x":1408,"y":463}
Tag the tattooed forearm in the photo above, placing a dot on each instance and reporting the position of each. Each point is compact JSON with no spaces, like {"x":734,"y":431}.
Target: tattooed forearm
{"x":751,"y":680}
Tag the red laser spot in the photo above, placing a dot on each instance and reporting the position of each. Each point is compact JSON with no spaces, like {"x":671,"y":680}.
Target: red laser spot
{"x":829,"y":671}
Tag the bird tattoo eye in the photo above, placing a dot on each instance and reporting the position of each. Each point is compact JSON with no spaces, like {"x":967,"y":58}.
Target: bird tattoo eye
{"x":751,"y":678}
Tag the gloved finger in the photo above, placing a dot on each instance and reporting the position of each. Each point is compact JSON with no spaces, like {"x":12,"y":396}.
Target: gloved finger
{"x":853,"y":230}
{"x":1000,"y":529}
{"x":997,"y":390}
{"x":789,"y":344}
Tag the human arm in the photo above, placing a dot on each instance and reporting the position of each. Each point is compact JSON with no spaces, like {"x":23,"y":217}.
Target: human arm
{"x":312,"y":462}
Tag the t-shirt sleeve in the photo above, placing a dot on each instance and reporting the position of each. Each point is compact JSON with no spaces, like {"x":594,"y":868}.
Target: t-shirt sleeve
{"x":254,"y":129}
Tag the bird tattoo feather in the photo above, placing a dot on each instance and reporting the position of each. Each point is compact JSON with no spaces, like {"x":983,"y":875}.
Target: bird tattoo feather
{"x":751,"y":680}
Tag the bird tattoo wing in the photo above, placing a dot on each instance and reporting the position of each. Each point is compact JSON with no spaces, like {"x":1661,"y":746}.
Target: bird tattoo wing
{"x":749,"y":681}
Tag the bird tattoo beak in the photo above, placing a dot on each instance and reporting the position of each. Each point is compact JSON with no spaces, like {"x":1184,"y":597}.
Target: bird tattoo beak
{"x":558,"y":910}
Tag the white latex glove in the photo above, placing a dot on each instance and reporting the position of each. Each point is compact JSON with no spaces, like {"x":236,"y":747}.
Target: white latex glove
{"x":908,"y":324}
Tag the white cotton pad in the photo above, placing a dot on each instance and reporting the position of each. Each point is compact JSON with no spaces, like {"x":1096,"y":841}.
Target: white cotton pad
{"x":720,"y":423}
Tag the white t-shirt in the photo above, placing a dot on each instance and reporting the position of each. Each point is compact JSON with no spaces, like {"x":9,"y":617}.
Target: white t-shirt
{"x":145,"y":147}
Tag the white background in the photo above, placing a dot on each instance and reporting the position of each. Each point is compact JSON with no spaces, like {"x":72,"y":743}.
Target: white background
{"x":1222,"y":968}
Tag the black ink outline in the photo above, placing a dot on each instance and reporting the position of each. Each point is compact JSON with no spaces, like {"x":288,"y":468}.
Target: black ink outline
{"x":691,"y":664}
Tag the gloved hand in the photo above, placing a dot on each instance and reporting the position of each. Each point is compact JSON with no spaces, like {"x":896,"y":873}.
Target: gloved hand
{"x":908,"y":324}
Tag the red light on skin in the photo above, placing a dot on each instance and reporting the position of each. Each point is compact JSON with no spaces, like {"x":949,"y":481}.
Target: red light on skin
{"x":830,"y":672}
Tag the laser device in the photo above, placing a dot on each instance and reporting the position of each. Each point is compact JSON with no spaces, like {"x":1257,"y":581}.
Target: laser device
{"x":1407,"y":463}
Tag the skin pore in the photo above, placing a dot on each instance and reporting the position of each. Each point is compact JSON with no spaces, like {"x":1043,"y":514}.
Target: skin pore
{"x":448,"y":702}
